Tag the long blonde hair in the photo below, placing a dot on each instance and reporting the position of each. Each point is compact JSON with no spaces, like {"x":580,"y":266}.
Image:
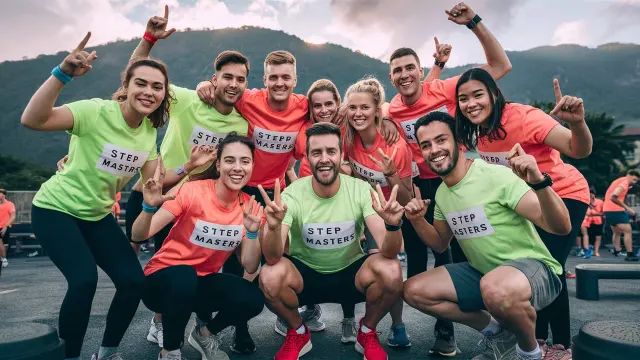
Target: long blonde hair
{"x":369,"y":85}
{"x":323,"y":85}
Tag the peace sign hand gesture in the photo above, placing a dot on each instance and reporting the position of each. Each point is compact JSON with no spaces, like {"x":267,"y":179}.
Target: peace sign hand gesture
{"x":79,"y":61}
{"x":387,"y":166}
{"x":252,"y":218}
{"x":443,"y":51}
{"x":416,"y":208}
{"x":156,"y":26}
{"x":152,"y":189}
{"x":389,"y":210}
{"x":276,"y":209}
{"x":568,"y":108}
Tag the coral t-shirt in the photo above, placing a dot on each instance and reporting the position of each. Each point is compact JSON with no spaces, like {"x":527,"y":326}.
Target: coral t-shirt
{"x":610,"y":205}
{"x":205,"y":232}
{"x":529,"y":126}
{"x":301,"y":149}
{"x":369,"y":171}
{"x":438,"y":95}
{"x":6,"y":208}
{"x":274,"y":134}
{"x":596,"y":209}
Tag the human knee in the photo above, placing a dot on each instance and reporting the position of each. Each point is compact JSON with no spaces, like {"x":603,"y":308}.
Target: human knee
{"x":414,"y":292}
{"x":501,"y":299}
{"x":133,"y":282}
{"x":272,"y":278}
{"x":253,"y":303}
{"x":84,"y":284}
{"x":390,"y":275}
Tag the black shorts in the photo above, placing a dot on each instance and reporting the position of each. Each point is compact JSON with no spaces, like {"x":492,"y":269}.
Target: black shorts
{"x":336,"y":288}
{"x":594,"y":230}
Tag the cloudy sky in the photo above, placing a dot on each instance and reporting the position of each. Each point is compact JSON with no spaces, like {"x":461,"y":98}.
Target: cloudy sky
{"x":375,"y":27}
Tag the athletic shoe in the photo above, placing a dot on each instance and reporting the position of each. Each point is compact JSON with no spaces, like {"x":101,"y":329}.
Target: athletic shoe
{"x":543,"y":346}
{"x":570,"y":275}
{"x":311,"y":318}
{"x":115,"y":356}
{"x":208,"y":347}
{"x":349,"y":331}
{"x":445,"y":344}
{"x":498,"y":346}
{"x":5,"y":263}
{"x":580,"y":252}
{"x":619,"y":253}
{"x":156,"y":335}
{"x":242,"y":341}
{"x":588,"y":253}
{"x":171,"y":355}
{"x":281,"y":326}
{"x":33,"y":254}
{"x":398,"y":336}
{"x":369,"y":345}
{"x":295,"y":345}
{"x":631,"y":258}
{"x":557,"y":352}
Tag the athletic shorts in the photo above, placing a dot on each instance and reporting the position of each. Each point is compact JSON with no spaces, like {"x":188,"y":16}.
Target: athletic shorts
{"x":545,"y":285}
{"x":617,"y":217}
{"x":595,"y":230}
{"x":336,"y":288}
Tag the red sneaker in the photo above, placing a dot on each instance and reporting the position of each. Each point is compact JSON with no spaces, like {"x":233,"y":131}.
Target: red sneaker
{"x":369,"y":345}
{"x":295,"y":345}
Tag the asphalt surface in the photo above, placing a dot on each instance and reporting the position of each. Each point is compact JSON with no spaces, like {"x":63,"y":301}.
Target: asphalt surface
{"x":31,"y":290}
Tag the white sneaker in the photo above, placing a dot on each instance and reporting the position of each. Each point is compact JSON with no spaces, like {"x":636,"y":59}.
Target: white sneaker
{"x":349,"y":331}
{"x":156,"y":334}
{"x":208,"y":347}
{"x":171,"y":355}
{"x":5,"y":263}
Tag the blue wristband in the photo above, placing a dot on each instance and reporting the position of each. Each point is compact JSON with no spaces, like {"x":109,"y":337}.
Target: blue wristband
{"x":147,"y":208}
{"x":251,"y":235}
{"x":61,"y":75}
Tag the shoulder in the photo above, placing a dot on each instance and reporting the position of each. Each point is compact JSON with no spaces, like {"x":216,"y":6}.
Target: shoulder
{"x":396,"y":105}
{"x":356,"y":184}
{"x":298,"y":187}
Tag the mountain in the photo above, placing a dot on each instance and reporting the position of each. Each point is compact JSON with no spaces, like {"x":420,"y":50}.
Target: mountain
{"x":608,"y":77}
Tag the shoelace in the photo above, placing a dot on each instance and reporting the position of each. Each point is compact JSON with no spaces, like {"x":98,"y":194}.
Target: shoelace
{"x":293,"y":342}
{"x":371,"y":340}
{"x":212,"y":343}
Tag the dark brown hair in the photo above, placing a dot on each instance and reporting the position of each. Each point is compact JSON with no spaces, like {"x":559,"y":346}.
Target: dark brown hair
{"x":212,"y":171}
{"x":231,"y":57}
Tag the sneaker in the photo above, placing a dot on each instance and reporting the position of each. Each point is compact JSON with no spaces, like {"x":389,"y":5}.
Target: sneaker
{"x":115,"y":356}
{"x":311,"y":318}
{"x":33,"y":254}
{"x":156,"y":335}
{"x":445,"y":344}
{"x":242,"y":341}
{"x":398,"y":336}
{"x":557,"y":352}
{"x":570,"y":275}
{"x":619,"y":253}
{"x":295,"y":345}
{"x":543,"y":346}
{"x":171,"y":355}
{"x":208,"y":347}
{"x":281,"y":326}
{"x":580,"y":252}
{"x":498,"y":346}
{"x":369,"y":345}
{"x":588,"y":254}
{"x":631,"y":258}
{"x":349,"y":331}
{"x":5,"y":263}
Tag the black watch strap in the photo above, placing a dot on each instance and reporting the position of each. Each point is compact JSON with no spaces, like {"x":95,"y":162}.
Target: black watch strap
{"x":393,"y":227}
{"x":440,"y":64}
{"x":541,"y":185}
{"x":475,"y":21}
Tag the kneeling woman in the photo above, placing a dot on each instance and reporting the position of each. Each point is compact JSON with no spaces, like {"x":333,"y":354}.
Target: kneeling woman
{"x":212,"y":219}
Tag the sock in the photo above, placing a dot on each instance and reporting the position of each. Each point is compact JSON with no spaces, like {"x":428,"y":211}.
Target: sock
{"x":533,"y":354}
{"x":491,"y":329}
{"x":106,"y":352}
{"x":365,"y":329}
{"x":301,"y":330}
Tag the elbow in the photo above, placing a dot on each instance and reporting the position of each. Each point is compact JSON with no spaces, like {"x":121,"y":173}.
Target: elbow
{"x":504,"y":69}
{"x":584,"y":153}
{"x":24,"y":121}
{"x":563,"y":228}
{"x":272,"y":259}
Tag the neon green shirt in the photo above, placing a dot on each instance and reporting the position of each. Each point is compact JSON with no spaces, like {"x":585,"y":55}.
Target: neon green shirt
{"x":325,"y":233}
{"x":104,"y":154}
{"x":480,"y":210}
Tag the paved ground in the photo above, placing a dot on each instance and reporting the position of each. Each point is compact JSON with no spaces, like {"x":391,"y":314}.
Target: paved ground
{"x":31,"y":289}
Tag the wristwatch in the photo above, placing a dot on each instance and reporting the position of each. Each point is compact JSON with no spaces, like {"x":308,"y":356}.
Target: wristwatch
{"x":476,"y":19}
{"x":179,"y":170}
{"x":543,"y":184}
{"x":440,"y":64}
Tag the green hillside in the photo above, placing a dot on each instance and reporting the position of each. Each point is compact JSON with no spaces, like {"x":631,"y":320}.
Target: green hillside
{"x":608,"y":78}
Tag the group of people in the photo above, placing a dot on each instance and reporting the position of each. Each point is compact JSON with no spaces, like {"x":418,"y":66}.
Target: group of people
{"x":372,"y":172}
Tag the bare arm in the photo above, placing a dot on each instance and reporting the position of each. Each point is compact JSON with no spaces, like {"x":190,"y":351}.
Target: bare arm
{"x":273,"y":242}
{"x":250,"y":254}
{"x":156,"y":27}
{"x":615,"y":198}
{"x":545,"y":209}
{"x":436,"y":236}
{"x":291,"y":173}
{"x":389,"y":242}
{"x":148,"y":224}
{"x":404,"y":187}
{"x":12,"y":218}
{"x":441,"y":55}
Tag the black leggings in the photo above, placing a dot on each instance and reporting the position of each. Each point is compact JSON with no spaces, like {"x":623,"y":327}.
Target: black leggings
{"x":557,"y":313}
{"x":76,"y":246}
{"x":177,"y":291}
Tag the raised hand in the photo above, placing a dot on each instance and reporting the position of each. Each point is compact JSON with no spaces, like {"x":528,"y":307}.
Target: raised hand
{"x":202,"y":154}
{"x":443,"y":51}
{"x":461,"y":14}
{"x":152,"y":188}
{"x":252,"y":217}
{"x":276,"y":209}
{"x":341,"y":116}
{"x":61,"y":162}
{"x":157,"y":26}
{"x":523,"y":165}
{"x":386,"y":165}
{"x":568,"y":108}
{"x":389,"y":210}
{"x":416,"y":208}
{"x":79,"y":61}
{"x":206,"y":92}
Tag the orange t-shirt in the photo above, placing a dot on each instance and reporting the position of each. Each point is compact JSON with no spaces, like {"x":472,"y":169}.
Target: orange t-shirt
{"x":273,"y":133}
{"x":596,"y":209}
{"x":6,"y":208}
{"x":438,"y":95}
{"x":608,"y":204}
{"x":301,"y":149}
{"x":205,"y":232}
{"x":529,"y":126}
{"x":369,"y":171}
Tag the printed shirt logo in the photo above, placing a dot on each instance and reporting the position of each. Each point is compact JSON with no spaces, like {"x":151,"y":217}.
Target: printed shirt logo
{"x":215,"y":236}
{"x":120,"y":161}
{"x":415,"y":171}
{"x":409,"y":126}
{"x":201,"y":136}
{"x":470,"y":223}
{"x":499,"y":158}
{"x":328,"y":236}
{"x":274,"y":141}
{"x":372,"y":176}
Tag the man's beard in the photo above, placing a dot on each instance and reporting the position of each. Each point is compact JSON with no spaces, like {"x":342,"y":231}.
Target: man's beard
{"x":446,"y":171}
{"x":331,"y":180}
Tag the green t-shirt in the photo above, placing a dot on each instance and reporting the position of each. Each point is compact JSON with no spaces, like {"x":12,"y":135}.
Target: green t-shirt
{"x":104,"y":154}
{"x":193,"y":122}
{"x":480,"y":211}
{"x":325,"y":233}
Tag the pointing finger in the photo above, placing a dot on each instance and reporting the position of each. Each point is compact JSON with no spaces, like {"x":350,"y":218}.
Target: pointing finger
{"x":84,"y":42}
{"x":416,"y":192}
{"x":265,"y":197}
{"x":394,"y":193}
{"x":276,"y":193}
{"x":382,"y":199}
{"x":374,"y":200}
{"x":435,"y":38}
{"x":556,"y":90}
{"x":166,"y":11}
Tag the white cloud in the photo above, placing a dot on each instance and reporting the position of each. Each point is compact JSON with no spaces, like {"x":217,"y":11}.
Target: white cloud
{"x":216,"y":15}
{"x":294,"y":6}
{"x":572,"y":32}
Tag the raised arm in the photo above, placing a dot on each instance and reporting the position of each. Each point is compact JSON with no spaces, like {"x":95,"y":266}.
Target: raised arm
{"x":436,"y":236}
{"x":275,"y":232}
{"x":250,"y":252}
{"x":386,"y":225}
{"x":615,"y":198}
{"x":40,"y":113}
{"x":441,"y":56}
{"x":156,"y":30}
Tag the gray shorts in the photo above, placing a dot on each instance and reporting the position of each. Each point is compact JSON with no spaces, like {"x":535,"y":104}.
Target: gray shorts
{"x":545,"y":285}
